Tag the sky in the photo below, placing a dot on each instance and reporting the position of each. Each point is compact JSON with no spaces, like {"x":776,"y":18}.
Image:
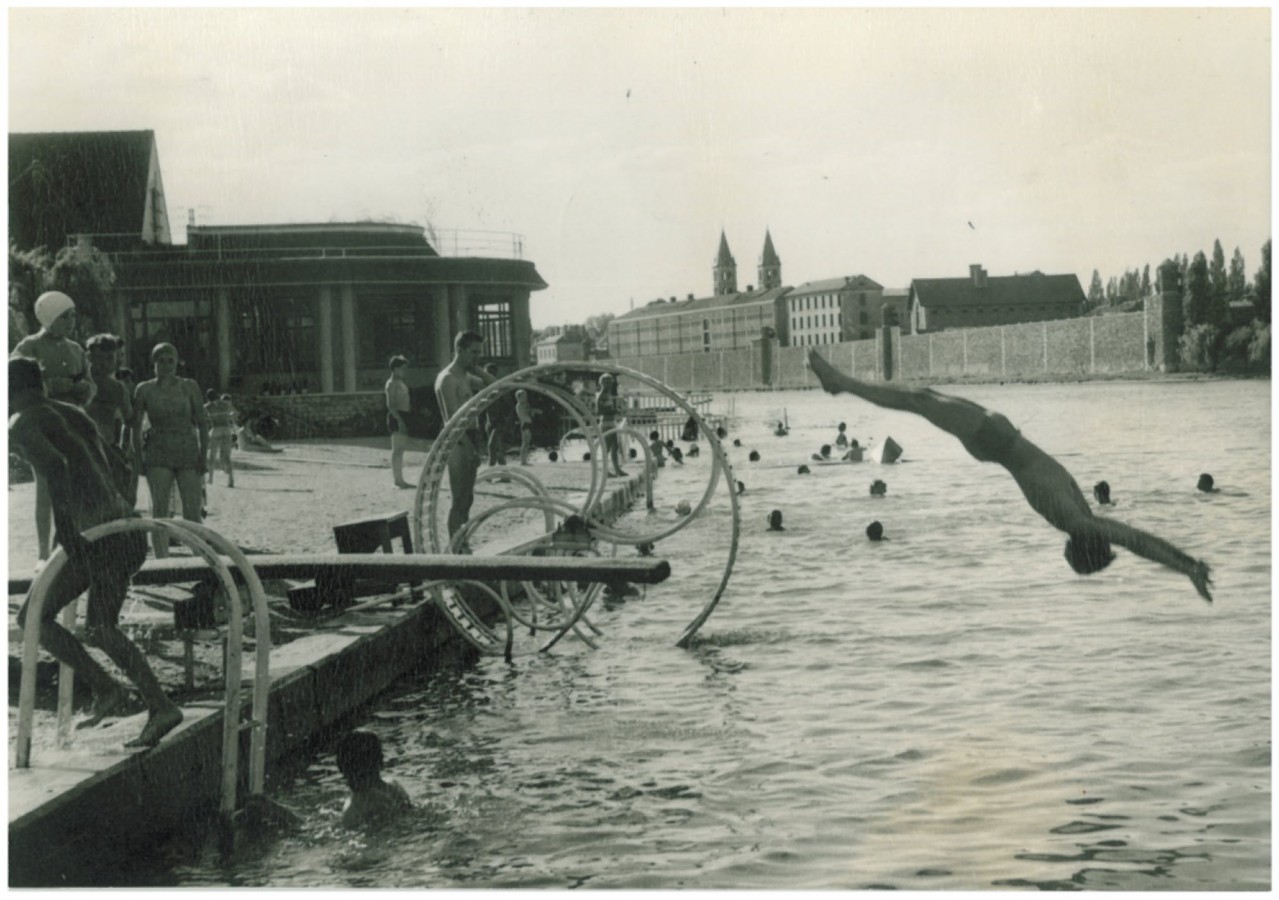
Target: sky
{"x":618,"y":143}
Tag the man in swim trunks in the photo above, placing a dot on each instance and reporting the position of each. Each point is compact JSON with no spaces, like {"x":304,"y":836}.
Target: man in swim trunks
{"x":453,"y":387}
{"x":1049,"y":488}
{"x":524,"y":411}
{"x":63,"y":444}
{"x":397,"y":404}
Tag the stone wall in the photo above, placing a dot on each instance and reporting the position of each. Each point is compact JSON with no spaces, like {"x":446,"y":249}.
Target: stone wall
{"x":1065,"y":348}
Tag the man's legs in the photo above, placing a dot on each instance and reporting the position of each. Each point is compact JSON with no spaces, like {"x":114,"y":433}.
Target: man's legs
{"x":464,"y":463}
{"x":44,"y":519}
{"x":398,"y":442}
{"x":160,"y":484}
{"x":114,"y":559}
{"x":526,"y":442}
{"x":191,"y":491}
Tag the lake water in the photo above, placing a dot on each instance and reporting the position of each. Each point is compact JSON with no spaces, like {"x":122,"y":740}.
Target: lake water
{"x":953,"y":708}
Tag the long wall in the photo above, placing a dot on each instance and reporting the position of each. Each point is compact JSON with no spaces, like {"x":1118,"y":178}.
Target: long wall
{"x":1067,"y":348}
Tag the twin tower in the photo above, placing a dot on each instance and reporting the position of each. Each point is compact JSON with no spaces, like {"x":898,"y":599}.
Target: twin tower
{"x":770,"y":268}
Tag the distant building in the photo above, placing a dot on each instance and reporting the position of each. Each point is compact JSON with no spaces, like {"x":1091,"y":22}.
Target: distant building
{"x":561,"y":347}
{"x":833,"y":310}
{"x":895,"y":308}
{"x":727,"y":320}
{"x":317,"y":307}
{"x":940,"y":303}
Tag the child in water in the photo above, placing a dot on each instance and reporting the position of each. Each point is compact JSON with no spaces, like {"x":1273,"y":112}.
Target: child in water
{"x":359,"y":757}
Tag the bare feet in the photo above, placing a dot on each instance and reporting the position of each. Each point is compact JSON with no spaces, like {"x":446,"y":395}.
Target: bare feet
{"x":404,"y":484}
{"x":104,"y":705}
{"x":158,"y":725}
{"x":1201,"y":577}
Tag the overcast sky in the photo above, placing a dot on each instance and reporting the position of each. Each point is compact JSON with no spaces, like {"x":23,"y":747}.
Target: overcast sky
{"x":619,"y":142}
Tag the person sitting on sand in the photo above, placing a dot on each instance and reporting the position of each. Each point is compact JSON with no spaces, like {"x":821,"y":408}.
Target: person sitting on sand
{"x":841,"y":439}
{"x":64,"y":446}
{"x":677,"y":456}
{"x":1048,"y":487}
{"x":248,"y":439}
{"x":694,"y":451}
{"x":359,"y":758}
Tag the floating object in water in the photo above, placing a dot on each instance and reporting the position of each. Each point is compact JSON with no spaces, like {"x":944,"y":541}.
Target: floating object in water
{"x":887,"y":451}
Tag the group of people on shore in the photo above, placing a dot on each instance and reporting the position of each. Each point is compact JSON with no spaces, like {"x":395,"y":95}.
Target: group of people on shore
{"x":89,"y":435}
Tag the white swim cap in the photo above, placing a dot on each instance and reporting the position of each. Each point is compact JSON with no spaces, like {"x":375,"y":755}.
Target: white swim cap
{"x":50,"y":305}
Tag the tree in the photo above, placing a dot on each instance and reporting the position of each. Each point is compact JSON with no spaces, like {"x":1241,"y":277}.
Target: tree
{"x":1237,"y":279}
{"x":1096,"y":293}
{"x":84,"y":273}
{"x":1218,"y":288}
{"x":1196,"y":292}
{"x":28,"y":275}
{"x":1199,"y":347}
{"x":1261,"y":286}
{"x":597,"y":326}
{"x":1112,"y":291}
{"x":1145,"y":281}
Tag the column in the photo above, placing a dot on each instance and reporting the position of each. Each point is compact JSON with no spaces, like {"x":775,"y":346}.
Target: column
{"x":521,"y":330}
{"x":348,"y":338}
{"x":326,"y":338}
{"x":441,"y":327}
{"x":222,"y":322}
{"x":459,"y":310}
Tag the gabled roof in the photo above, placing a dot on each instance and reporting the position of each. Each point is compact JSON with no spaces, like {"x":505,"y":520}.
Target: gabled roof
{"x":559,"y":338}
{"x":703,"y":304}
{"x":769,"y":257}
{"x":847,"y":282}
{"x":724,"y":258}
{"x":64,"y":183}
{"x":1005,"y":290}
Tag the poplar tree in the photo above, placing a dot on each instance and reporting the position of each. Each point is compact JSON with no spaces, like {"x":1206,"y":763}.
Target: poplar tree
{"x":1218,"y":289}
{"x":1096,"y":293}
{"x":1197,"y":293}
{"x":1237,"y":280}
{"x":1145,"y":281}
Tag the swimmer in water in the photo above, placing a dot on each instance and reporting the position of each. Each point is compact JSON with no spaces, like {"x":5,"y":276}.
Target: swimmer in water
{"x":802,"y":470}
{"x":1205,"y":484}
{"x":875,"y":531}
{"x":754,"y":457}
{"x":775,"y":521}
{"x":841,"y":439}
{"x":1101,"y":493}
{"x":1048,"y":487}
{"x":822,"y":455}
{"x":359,"y":757}
{"x":878,"y":488}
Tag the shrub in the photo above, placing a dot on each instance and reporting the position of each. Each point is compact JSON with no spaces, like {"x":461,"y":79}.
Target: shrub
{"x":1200,"y":347}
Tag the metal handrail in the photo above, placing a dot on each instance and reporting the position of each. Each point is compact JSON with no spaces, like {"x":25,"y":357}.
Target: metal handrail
{"x":201,"y":540}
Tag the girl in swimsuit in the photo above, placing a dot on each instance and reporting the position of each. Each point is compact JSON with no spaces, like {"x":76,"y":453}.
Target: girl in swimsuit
{"x":177,"y":444}
{"x":1049,"y":488}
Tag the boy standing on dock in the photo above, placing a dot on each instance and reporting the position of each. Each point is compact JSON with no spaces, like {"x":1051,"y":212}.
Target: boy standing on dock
{"x":397,"y":404}
{"x":453,"y":387}
{"x":63,"y":445}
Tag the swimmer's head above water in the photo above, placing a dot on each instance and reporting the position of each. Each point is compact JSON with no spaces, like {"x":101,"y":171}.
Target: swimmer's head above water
{"x":775,"y":521}
{"x":1101,"y":491}
{"x":1088,"y":553}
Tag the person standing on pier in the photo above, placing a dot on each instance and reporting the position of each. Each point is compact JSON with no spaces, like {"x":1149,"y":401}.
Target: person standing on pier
{"x":397,"y":404}
{"x":453,"y":387}
{"x":65,"y":370}
{"x":63,"y":444}
{"x":1048,"y":487}
{"x":606,"y":407}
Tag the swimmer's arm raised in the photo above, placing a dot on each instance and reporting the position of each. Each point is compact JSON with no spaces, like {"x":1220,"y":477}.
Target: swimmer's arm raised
{"x":1157,"y":550}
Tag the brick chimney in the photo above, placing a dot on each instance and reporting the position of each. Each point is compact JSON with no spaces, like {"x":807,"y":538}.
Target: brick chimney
{"x":978,"y":275}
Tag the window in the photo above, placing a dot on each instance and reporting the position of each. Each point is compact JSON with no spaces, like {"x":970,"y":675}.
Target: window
{"x":494,"y":322}
{"x":390,"y":324}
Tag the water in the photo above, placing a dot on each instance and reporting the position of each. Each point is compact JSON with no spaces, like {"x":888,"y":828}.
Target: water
{"x":950,"y":709}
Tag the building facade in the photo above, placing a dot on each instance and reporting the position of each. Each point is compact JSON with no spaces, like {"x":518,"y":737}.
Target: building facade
{"x":318,"y":307}
{"x":978,"y":300}
{"x":560,"y":347}
{"x":276,"y":308}
{"x":833,"y":310}
{"x":728,"y":319}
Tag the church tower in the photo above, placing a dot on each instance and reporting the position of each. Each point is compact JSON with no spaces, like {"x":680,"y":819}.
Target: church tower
{"x":770,"y":267}
{"x":725,"y":269}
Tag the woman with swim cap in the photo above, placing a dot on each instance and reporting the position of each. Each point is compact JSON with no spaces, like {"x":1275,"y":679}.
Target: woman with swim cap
{"x":176,"y":445}
{"x":65,"y":370}
{"x":1049,"y":488}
